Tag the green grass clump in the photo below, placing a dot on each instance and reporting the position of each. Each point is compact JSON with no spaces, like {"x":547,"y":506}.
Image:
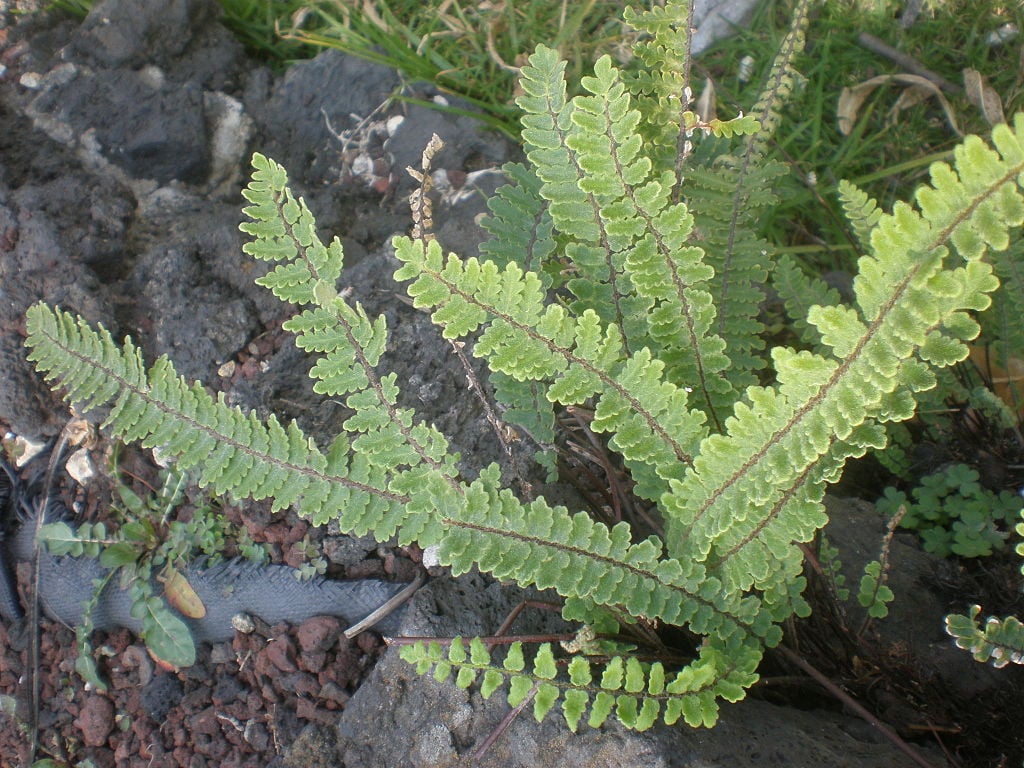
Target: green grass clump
{"x":470,"y":50}
{"x":886,"y":156}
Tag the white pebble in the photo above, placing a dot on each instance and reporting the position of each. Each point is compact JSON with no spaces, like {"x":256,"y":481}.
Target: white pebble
{"x":80,"y":467}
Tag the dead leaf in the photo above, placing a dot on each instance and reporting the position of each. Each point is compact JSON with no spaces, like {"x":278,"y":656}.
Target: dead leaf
{"x":182,"y":596}
{"x":984,"y":97}
{"x":163,"y":666}
{"x":916,"y":89}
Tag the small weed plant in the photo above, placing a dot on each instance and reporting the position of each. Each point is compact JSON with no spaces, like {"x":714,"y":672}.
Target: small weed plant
{"x":954,"y":514}
{"x":149,"y":550}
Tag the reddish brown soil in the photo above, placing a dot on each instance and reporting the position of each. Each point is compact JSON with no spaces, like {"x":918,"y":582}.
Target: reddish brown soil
{"x":242,"y":704}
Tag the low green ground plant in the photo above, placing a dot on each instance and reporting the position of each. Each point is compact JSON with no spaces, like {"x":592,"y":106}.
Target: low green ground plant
{"x":954,"y":514}
{"x":146,"y":550}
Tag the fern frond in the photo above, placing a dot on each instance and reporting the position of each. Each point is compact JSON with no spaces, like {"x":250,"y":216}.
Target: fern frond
{"x":727,"y":197}
{"x":665,"y":49}
{"x":910,"y":311}
{"x":862,"y":212}
{"x":569,"y":149}
{"x":537,"y":544}
{"x":520,"y":226}
{"x":629,"y":248}
{"x":799,"y":292}
{"x":234,"y":453}
{"x":640,"y":694}
{"x":663,"y":85}
{"x":284,"y":230}
{"x":523,"y":337}
{"x":521,"y":232}
{"x":782,"y":79}
{"x":1001,"y":641}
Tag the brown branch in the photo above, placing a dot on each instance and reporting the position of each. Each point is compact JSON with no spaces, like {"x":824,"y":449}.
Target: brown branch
{"x":909,"y":63}
{"x":849,"y":701}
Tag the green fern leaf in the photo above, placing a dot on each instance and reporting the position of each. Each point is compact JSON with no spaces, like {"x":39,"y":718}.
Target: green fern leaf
{"x":539,"y":342}
{"x":1001,"y":641}
{"x":519,"y":224}
{"x":799,"y":292}
{"x":235,"y":453}
{"x":898,"y":316}
{"x":861,"y":211}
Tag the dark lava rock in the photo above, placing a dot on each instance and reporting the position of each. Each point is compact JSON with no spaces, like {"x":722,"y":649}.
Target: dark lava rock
{"x":179,"y":35}
{"x":160,"y":694}
{"x":160,"y":130}
{"x":338,"y":92}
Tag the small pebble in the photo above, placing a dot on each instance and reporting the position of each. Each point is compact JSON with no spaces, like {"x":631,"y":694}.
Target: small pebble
{"x":80,"y":467}
{"x":96,"y":721}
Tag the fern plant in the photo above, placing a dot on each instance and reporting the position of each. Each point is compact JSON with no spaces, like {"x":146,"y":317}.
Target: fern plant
{"x":736,"y":460}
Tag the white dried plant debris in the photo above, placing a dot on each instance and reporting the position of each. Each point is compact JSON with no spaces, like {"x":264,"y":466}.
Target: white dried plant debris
{"x":431,"y":556}
{"x":746,"y":69}
{"x":393,"y":123}
{"x":80,"y":467}
{"x":26,"y":449}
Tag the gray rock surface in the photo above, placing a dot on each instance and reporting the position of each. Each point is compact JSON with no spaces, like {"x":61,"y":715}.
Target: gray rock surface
{"x":400,"y":718}
{"x":181,"y":36}
{"x":717,"y":19}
